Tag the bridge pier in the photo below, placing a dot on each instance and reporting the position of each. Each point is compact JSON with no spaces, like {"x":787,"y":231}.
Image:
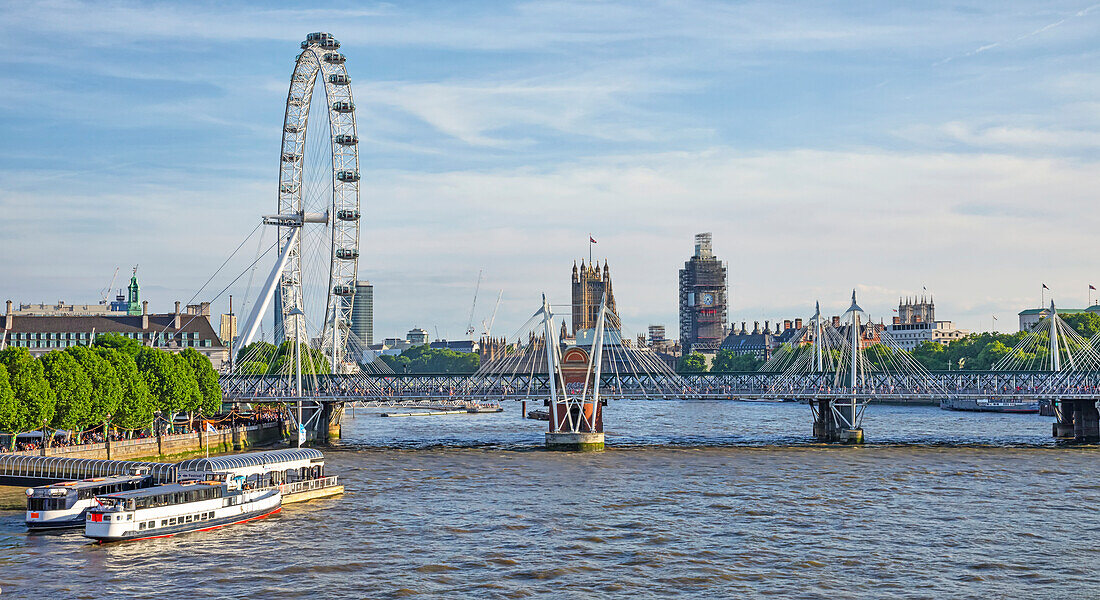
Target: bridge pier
{"x":1076,"y":420}
{"x":332,"y":413}
{"x":836,"y":422}
{"x":589,"y":434}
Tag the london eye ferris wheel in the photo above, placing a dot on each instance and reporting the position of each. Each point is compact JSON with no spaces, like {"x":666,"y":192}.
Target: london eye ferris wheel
{"x":313,"y":283}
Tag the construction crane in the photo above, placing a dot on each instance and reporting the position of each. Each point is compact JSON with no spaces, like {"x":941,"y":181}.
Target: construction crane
{"x":487,"y":329}
{"x":470,"y":321}
{"x":107,"y":290}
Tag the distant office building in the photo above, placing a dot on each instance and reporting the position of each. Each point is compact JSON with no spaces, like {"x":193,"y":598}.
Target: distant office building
{"x":362,"y":313}
{"x":228,"y":328}
{"x":1029,"y":318}
{"x":589,"y":286}
{"x":916,"y":323}
{"x":656,"y":334}
{"x":173,"y":331}
{"x":703,"y":299}
{"x":417,"y":337}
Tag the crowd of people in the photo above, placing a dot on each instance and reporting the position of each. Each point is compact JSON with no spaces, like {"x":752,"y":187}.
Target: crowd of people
{"x":62,"y":439}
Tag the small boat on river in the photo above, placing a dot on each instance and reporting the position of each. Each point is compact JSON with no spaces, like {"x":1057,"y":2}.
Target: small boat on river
{"x":989,"y":405}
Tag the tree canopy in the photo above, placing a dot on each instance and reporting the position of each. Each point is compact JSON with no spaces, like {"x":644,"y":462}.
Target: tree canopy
{"x":425,"y":359}
{"x":206,"y":378}
{"x":169,"y":386}
{"x":118,"y":342}
{"x":727,"y":361}
{"x":106,"y":387}
{"x":28,"y":383}
{"x":692,"y":363}
{"x":12,"y":417}
{"x":71,"y":386}
{"x":135,"y":407}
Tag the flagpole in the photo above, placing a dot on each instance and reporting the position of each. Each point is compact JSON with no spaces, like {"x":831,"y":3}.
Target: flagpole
{"x":590,"y":249}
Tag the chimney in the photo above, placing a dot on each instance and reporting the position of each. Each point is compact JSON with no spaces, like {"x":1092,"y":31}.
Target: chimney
{"x":756,"y":327}
{"x":897,"y":320}
{"x":786,"y":324}
{"x":798,"y":323}
{"x":176,"y":317}
{"x":8,"y":317}
{"x":836,"y":321}
{"x":144,"y":315}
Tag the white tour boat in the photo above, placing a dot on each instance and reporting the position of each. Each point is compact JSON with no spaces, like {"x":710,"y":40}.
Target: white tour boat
{"x":63,"y":505}
{"x":190,"y":505}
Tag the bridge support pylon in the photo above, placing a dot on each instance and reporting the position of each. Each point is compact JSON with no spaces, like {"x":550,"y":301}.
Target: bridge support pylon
{"x":1076,"y":420}
{"x":576,"y":429}
{"x":331,"y":416}
{"x":837,"y":421}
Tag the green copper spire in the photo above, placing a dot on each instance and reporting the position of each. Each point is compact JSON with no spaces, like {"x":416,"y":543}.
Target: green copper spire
{"x":134,"y":300}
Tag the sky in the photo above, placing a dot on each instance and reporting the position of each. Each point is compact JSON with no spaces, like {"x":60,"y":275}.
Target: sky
{"x":828,"y":146}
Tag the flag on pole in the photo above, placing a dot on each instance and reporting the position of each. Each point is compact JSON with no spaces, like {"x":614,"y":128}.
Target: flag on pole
{"x":1045,"y":287}
{"x":592,"y":240}
{"x":1092,"y":287}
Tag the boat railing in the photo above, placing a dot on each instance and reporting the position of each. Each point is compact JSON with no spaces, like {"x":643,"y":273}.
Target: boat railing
{"x":306,"y":485}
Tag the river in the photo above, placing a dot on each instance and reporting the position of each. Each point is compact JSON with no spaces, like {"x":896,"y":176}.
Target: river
{"x":691,"y":499}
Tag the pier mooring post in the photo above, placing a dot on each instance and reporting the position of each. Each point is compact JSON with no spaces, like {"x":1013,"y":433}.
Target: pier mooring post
{"x":1076,"y":420}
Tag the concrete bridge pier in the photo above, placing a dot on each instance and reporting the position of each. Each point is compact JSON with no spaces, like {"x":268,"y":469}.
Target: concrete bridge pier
{"x":332,"y":414}
{"x":1076,"y":420}
{"x":321,"y":419}
{"x":836,"y":422}
{"x":585,"y":435}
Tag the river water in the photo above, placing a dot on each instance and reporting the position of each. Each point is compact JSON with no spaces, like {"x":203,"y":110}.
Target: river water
{"x":691,"y":499}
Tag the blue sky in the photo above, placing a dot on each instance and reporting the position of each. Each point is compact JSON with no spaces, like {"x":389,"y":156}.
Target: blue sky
{"x":827,"y":146}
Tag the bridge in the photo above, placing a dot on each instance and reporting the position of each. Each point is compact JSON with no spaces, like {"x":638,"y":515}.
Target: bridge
{"x":318,"y":364}
{"x":814,"y":374}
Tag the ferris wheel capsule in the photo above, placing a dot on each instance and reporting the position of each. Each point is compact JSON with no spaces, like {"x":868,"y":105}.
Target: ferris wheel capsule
{"x":343,"y":106}
{"x":347,"y":176}
{"x":339,"y":79}
{"x":347,"y":215}
{"x":347,"y":139}
{"x":347,"y":254}
{"x":335,"y":58}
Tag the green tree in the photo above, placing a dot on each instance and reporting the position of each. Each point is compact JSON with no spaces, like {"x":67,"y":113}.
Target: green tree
{"x":71,"y":386}
{"x":313,"y":360}
{"x":727,"y":361}
{"x":1086,"y":324}
{"x":207,"y":378}
{"x":170,"y":390}
{"x":192,"y":395}
{"x":252,"y":367}
{"x":13,"y":419}
{"x":692,"y":363}
{"x":135,"y":407}
{"x":398,"y":363}
{"x":28,"y":383}
{"x":106,"y":387}
{"x":263,"y":352}
{"x":118,"y":342}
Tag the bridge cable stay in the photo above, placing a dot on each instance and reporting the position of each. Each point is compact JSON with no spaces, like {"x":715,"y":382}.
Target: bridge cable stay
{"x":1052,"y":345}
{"x":838,"y":368}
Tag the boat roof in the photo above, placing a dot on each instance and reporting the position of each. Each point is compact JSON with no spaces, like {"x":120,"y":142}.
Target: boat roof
{"x":217,"y":464}
{"x":162,"y":489}
{"x":92,"y":482}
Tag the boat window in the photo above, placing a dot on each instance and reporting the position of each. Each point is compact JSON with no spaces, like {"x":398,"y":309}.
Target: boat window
{"x":164,"y":522}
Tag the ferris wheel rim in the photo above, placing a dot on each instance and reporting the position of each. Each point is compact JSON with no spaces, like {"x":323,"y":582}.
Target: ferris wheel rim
{"x":319,"y":58}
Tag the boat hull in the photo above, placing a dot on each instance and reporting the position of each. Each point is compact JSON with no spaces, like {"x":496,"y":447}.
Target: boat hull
{"x":109,"y":530}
